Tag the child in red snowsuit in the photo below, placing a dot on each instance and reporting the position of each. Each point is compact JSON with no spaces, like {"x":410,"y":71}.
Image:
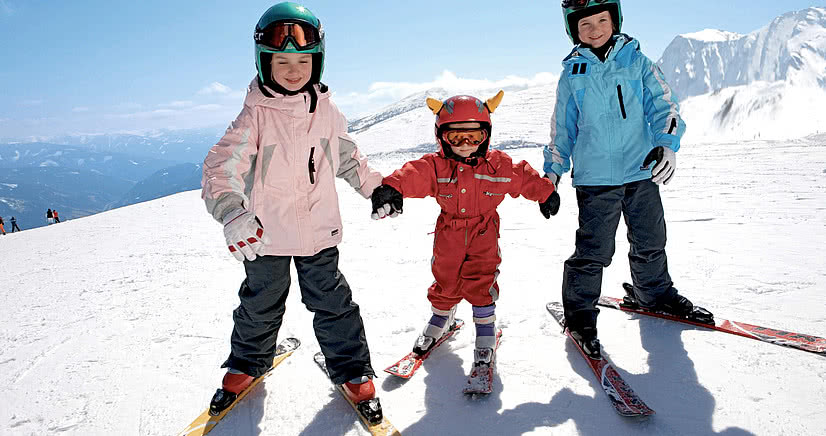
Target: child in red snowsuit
{"x":468,"y":181}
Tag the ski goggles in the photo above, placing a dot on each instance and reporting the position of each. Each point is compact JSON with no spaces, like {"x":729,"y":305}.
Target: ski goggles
{"x":579,"y":4}
{"x":276,"y":36}
{"x":455,"y":137}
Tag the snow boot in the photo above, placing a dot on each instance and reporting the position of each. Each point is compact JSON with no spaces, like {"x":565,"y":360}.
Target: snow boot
{"x":439,"y":324}
{"x":586,"y":338}
{"x":234,"y":383}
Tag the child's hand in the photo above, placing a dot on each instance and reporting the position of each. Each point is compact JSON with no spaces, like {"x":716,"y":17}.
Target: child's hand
{"x":387,"y":201}
{"x":245,"y":236}
{"x":666,"y":164}
{"x":550,"y":206}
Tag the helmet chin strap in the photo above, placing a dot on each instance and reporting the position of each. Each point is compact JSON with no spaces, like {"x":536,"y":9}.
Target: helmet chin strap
{"x":309,"y":88}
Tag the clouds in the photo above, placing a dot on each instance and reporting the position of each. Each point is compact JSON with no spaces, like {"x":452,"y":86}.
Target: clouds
{"x":215,"y":88}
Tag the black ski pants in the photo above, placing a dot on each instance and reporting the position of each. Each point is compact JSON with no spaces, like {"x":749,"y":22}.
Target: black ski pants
{"x":324,"y":291}
{"x":600,"y":208}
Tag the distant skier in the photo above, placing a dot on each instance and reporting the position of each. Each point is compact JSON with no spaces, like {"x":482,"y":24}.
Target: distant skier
{"x":2,"y":229}
{"x":273,"y":173}
{"x":14,"y":225}
{"x":56,"y":218}
{"x":615,"y":114}
{"x":49,"y":216}
{"x":468,"y":181}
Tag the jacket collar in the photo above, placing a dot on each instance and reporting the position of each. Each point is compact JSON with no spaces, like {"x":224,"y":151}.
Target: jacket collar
{"x":297,"y":105}
{"x":621,"y":42}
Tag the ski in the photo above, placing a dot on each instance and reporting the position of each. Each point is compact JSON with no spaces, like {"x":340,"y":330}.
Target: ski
{"x":367,"y":407}
{"x":205,"y":422}
{"x":407,"y":366}
{"x":623,"y":398}
{"x":480,"y":380}
{"x":812,"y":344}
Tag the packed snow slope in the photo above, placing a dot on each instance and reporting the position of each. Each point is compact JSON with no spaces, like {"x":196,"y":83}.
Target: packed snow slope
{"x":117,"y":323}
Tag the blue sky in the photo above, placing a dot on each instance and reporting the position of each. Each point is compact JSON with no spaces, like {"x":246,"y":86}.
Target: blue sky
{"x":91,"y":66}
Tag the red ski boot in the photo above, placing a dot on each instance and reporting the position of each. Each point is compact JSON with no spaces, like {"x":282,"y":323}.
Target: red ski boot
{"x":233,"y":384}
{"x":359,"y":389}
{"x":236,"y":381}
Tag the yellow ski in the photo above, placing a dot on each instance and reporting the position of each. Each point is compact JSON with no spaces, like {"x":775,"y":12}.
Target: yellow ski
{"x":383,"y":428}
{"x":204,"y":423}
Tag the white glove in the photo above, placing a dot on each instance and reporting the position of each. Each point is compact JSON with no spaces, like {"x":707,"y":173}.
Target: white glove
{"x":666,"y":164}
{"x":245,"y":236}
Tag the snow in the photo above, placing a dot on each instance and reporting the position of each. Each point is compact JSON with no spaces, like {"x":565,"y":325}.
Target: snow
{"x":712,"y":35}
{"x":117,"y":323}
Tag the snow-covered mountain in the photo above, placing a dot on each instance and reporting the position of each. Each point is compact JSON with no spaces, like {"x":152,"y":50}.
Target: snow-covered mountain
{"x":75,"y":180}
{"x":522,"y":120}
{"x":117,"y":323}
{"x":792,"y":48}
{"x":769,"y":84}
{"x":185,"y":145}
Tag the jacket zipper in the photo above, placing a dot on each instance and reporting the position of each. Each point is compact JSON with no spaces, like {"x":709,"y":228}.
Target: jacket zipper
{"x":622,"y":104}
{"x":446,"y":195}
{"x":311,"y":166}
{"x":491,"y":194}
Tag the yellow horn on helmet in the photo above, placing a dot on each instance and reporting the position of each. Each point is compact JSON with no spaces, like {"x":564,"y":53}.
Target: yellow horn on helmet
{"x":494,"y":101}
{"x":434,"y":105}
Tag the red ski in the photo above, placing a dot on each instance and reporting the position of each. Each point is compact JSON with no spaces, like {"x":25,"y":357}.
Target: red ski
{"x":480,"y":380}
{"x":407,"y":366}
{"x":812,"y":344}
{"x":623,"y":398}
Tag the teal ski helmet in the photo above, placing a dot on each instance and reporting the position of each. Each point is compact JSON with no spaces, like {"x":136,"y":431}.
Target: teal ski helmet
{"x":574,"y":10}
{"x":288,"y":28}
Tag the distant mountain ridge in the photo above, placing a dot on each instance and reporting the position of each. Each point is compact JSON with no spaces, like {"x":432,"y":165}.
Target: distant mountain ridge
{"x":190,"y":145}
{"x":81,"y":180}
{"x":791,"y":48}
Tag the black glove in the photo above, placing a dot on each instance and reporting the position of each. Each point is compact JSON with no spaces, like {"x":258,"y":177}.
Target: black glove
{"x":387,"y":201}
{"x":550,"y":206}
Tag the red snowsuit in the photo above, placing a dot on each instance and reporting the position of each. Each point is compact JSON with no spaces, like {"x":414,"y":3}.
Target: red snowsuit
{"x":466,"y":253}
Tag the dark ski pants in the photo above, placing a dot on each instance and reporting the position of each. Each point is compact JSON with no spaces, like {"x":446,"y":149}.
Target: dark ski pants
{"x":324,"y":291}
{"x":599,"y":213}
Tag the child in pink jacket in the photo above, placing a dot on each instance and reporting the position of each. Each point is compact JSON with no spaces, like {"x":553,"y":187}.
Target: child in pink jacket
{"x":271,"y":182}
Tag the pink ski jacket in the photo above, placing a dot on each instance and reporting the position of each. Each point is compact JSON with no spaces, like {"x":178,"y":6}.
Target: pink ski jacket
{"x":280,"y":162}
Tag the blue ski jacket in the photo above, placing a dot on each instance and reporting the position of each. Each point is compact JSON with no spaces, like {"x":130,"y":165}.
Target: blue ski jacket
{"x":609,"y":115}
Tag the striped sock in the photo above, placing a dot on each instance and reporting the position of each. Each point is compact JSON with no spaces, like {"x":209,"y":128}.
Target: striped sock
{"x":436,"y":326}
{"x":484,"y":317}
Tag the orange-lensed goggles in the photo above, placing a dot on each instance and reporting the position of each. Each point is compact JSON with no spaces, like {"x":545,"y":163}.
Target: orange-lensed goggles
{"x":456,"y":137}
{"x":277,"y":35}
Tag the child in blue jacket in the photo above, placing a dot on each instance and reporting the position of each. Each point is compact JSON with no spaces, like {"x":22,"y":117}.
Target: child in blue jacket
{"x":614,"y":115}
